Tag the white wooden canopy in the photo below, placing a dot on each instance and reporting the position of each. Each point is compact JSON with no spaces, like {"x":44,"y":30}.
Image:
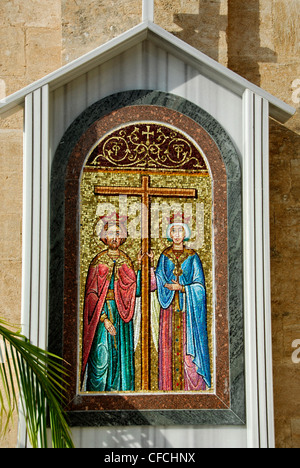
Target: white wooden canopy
{"x":148,"y":57}
{"x":148,"y":31}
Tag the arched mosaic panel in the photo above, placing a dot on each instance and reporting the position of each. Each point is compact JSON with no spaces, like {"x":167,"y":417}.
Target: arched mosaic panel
{"x":151,"y":320}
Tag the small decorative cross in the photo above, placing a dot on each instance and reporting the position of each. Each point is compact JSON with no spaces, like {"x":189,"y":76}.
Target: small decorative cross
{"x":148,"y":133}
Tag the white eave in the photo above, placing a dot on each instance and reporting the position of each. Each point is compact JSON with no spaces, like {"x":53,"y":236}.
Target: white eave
{"x":147,"y":30}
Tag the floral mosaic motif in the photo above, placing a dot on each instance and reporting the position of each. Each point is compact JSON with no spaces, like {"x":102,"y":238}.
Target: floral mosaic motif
{"x":146,"y":145}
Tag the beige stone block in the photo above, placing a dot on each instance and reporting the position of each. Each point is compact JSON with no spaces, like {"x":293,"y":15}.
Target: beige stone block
{"x":286,"y":390}
{"x":11,"y":84}
{"x":287,"y":242}
{"x":12,"y":52}
{"x":166,"y":9}
{"x":285,"y":282}
{"x":283,"y":432}
{"x":286,"y":215}
{"x":285,"y":141}
{"x":284,"y":178}
{"x":87,"y":24}
{"x":266,"y":23}
{"x":201,"y":24}
{"x":296,"y":433}
{"x":31,"y":13}
{"x":277,"y":335}
{"x":11,"y":152}
{"x":11,"y":193}
{"x":13,"y":121}
{"x":10,"y":291}
{"x":280,"y":180}
{"x":278,"y":78}
{"x":172,"y":14}
{"x":43,"y":52}
{"x":243,"y":28}
{"x":286,"y":19}
{"x":10,"y":236}
{"x":295,"y":177}
{"x":9,"y":441}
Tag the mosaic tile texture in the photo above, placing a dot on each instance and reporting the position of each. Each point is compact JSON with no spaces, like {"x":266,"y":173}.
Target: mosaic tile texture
{"x":219,"y":151}
{"x":200,"y":210}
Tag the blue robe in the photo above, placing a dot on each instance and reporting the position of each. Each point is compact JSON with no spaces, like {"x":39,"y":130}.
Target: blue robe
{"x":191,"y":276}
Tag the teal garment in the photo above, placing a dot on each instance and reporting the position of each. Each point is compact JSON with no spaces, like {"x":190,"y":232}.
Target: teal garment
{"x":111,"y":360}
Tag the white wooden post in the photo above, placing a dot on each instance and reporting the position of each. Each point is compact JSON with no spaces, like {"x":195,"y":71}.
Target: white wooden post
{"x":259,"y":382}
{"x":34,"y":314}
{"x":35,"y":216}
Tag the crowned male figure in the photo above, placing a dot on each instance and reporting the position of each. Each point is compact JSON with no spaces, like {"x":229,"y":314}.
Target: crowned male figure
{"x":108,"y":343}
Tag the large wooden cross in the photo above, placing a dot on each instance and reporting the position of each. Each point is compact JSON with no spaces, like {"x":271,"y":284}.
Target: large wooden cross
{"x":146,"y":192}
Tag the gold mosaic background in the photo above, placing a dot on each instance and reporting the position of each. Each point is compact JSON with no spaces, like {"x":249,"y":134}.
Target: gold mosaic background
{"x":201,"y":209}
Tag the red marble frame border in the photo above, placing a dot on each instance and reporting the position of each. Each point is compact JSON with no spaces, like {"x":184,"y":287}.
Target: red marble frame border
{"x":146,"y":401}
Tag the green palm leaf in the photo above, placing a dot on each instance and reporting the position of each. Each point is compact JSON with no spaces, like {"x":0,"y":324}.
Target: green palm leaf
{"x":37,"y":376}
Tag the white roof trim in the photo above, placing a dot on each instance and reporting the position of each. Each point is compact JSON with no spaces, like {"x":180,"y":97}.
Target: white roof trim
{"x":148,"y":30}
{"x":148,"y":10}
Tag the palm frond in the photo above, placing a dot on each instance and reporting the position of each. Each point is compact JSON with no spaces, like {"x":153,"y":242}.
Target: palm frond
{"x":37,"y":376}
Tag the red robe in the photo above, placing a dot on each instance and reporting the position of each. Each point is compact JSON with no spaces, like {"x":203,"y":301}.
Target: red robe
{"x":97,"y":285}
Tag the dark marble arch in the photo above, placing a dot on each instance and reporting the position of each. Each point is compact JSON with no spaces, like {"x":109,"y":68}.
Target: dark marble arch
{"x":236,"y":414}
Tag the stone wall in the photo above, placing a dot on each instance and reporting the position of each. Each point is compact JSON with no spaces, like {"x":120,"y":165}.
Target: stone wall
{"x":30,"y":47}
{"x":259,"y":39}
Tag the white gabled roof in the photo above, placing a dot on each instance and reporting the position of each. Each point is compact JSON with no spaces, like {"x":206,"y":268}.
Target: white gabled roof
{"x":147,"y":30}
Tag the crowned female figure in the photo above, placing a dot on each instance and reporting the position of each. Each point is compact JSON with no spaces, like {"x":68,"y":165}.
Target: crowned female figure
{"x":184,"y":362}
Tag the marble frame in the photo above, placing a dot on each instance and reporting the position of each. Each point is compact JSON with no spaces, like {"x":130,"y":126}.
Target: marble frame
{"x":234,"y":414}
